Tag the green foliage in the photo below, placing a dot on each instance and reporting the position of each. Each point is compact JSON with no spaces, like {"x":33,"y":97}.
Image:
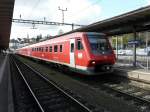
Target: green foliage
{"x":38,"y":38}
{"x":124,"y":39}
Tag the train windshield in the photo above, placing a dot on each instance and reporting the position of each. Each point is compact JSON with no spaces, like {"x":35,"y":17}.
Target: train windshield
{"x":99,"y":44}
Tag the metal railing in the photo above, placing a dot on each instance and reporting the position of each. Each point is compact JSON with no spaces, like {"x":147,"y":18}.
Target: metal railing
{"x":143,"y":62}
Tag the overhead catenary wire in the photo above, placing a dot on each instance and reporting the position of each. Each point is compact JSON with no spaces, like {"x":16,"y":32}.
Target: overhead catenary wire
{"x":32,"y":10}
{"x":34,"y":7}
{"x":37,"y":2}
{"x":82,"y":10}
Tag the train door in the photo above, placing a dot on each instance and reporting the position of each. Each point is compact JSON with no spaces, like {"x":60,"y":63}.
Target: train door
{"x":72,"y":48}
{"x":28,"y":52}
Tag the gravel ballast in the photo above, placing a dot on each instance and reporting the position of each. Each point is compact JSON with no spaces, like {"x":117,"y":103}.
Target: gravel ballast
{"x":92,"y":95}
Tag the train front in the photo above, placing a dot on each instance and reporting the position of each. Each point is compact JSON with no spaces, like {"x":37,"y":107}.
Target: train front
{"x":102,"y":57}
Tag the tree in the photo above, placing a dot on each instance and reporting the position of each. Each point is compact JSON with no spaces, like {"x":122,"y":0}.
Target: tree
{"x":19,"y":39}
{"x":38,"y":37}
{"x":33,"y":40}
{"x":14,"y":43}
{"x":60,"y":32}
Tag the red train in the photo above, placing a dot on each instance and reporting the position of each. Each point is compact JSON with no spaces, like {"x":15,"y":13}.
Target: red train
{"x":88,"y":53}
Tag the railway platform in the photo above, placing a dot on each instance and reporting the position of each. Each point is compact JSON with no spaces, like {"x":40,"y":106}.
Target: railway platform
{"x":127,"y":70}
{"x":6,"y":104}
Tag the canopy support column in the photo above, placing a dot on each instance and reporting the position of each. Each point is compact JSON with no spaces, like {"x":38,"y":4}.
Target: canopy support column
{"x":134,"y":47}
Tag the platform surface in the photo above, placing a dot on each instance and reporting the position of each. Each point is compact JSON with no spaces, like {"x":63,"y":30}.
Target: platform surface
{"x":4,"y":84}
{"x":132,"y":72}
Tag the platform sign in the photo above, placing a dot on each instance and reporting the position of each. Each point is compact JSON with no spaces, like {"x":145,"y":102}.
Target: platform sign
{"x":133,"y":42}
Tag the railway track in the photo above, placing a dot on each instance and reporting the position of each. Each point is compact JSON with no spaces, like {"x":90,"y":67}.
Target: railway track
{"x":134,"y":95}
{"x":22,"y":98}
{"x":119,"y":88}
{"x":48,"y":96}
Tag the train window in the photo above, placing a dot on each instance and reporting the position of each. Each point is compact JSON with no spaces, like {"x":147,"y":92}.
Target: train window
{"x":50,"y":48}
{"x":99,"y":44}
{"x":46,"y":49}
{"x":42,"y":49}
{"x":32,"y":49}
{"x":79,"y":44}
{"x":72,"y":47}
{"x":55,"y":48}
{"x":60,"y":48}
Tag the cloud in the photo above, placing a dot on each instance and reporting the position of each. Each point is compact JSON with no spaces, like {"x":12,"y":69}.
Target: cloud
{"x":21,"y":32}
{"x":148,"y":2}
{"x":78,"y":11}
{"x":82,"y":14}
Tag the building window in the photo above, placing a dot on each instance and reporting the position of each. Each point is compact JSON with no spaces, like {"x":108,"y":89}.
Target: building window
{"x":50,"y":49}
{"x":55,"y":48}
{"x":60,"y":48}
{"x":79,"y":44}
{"x":46,"y":49}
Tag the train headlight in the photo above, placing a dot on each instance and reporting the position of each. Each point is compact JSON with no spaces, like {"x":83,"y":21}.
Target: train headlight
{"x":93,"y":62}
{"x":107,"y":67}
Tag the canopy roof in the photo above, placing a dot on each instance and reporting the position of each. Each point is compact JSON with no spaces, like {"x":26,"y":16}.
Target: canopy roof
{"x":6,"y":12}
{"x":138,"y":20}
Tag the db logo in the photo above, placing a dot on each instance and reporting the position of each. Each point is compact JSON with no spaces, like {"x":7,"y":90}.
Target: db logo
{"x":105,"y":57}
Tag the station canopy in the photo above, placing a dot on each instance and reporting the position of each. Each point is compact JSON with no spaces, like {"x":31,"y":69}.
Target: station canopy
{"x":137,"y":20}
{"x":6,"y":12}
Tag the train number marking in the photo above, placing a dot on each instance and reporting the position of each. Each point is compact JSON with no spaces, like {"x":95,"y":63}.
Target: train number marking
{"x":80,"y":55}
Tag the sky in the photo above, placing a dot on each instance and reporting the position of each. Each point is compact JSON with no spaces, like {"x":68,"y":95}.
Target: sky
{"x":83,"y":12}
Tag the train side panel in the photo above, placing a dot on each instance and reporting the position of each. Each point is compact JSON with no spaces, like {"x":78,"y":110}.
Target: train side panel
{"x":73,"y":50}
{"x":81,"y":53}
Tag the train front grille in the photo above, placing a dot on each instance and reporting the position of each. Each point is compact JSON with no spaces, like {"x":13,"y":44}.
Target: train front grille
{"x":103,"y":68}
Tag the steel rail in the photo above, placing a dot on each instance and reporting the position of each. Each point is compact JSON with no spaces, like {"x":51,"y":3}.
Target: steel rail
{"x":128,"y":94}
{"x":58,"y":88}
{"x":37,"y":101}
